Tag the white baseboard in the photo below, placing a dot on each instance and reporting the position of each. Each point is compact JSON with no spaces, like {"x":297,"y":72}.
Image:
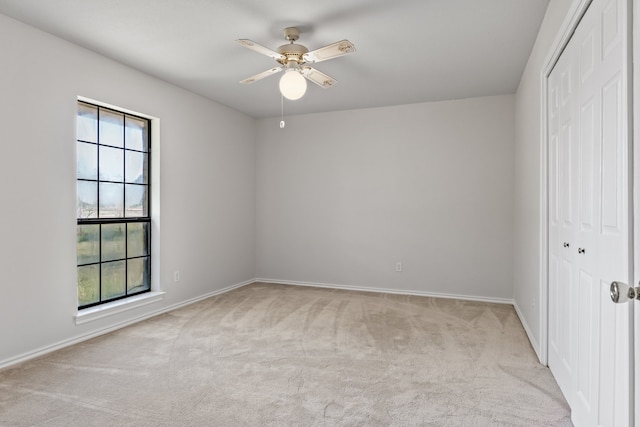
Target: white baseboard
{"x":84,"y":337}
{"x":389,"y":291}
{"x":527,"y":329}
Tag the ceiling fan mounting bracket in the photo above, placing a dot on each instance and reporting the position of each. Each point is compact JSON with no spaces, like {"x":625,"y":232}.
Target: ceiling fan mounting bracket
{"x":291,"y":34}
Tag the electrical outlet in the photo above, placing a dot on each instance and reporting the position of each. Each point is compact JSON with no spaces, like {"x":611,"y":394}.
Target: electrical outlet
{"x":399,"y":266}
{"x":176,"y":276}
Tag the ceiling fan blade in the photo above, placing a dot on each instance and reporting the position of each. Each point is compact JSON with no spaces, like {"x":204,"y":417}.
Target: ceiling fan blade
{"x":250,"y":44}
{"x":319,"y":78}
{"x":262,"y":75}
{"x":331,"y":51}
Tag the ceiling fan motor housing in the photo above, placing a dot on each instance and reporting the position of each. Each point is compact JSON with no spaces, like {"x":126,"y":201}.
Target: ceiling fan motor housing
{"x":292,"y":52}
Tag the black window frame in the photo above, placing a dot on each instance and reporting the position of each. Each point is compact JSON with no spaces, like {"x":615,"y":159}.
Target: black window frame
{"x":125,"y":220}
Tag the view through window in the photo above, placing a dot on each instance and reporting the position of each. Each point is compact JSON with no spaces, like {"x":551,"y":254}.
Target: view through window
{"x":113,"y":190}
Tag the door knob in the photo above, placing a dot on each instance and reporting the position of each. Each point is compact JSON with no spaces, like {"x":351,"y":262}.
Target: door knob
{"x":565,"y":244}
{"x":621,"y":292}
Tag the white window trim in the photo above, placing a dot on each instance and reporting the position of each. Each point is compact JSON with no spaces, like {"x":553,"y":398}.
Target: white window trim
{"x":119,"y":306}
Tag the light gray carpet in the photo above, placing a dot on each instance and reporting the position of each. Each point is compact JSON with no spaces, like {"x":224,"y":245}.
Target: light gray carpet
{"x":270,"y":354}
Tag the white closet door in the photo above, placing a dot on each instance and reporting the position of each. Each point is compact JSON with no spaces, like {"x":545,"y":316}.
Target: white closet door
{"x":589,"y":229}
{"x":562,"y":227}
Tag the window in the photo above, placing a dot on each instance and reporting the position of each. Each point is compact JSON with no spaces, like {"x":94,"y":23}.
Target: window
{"x":113,"y":190}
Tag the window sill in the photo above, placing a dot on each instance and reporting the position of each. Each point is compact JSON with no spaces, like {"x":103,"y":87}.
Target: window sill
{"x":112,"y":308}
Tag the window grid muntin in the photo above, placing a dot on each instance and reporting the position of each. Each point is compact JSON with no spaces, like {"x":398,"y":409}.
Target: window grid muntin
{"x":124,"y":219}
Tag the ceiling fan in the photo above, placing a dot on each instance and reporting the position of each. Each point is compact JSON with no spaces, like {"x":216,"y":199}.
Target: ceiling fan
{"x":293,"y":59}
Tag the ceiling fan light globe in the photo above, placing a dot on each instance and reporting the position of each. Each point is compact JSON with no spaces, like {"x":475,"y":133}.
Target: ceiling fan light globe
{"x":293,"y":85}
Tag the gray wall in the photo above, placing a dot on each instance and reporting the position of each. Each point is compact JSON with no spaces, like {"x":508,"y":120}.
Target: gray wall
{"x":206,"y":190}
{"x":343,"y":196}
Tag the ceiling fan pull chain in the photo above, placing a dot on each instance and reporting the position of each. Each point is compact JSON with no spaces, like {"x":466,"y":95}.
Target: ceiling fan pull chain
{"x":281,"y":111}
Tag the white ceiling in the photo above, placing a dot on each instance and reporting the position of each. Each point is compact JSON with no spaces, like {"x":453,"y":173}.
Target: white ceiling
{"x":408,"y":51}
